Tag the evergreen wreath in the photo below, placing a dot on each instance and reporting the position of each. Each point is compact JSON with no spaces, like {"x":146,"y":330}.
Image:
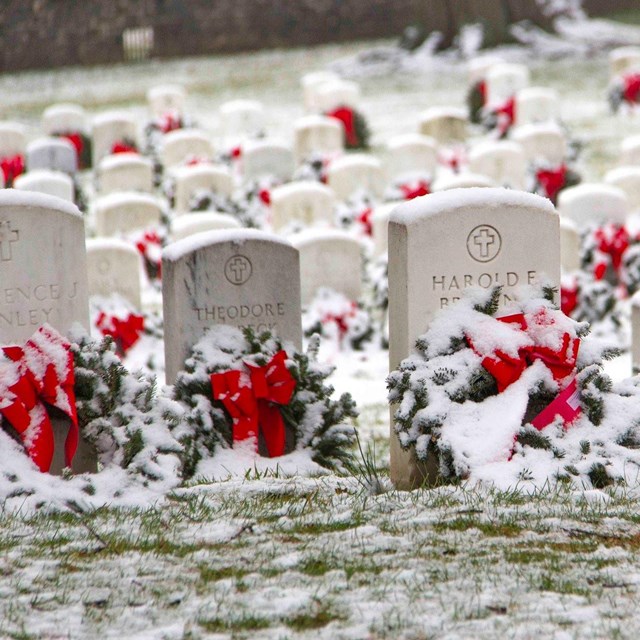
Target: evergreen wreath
{"x":317,"y":421}
{"x":445,"y":377}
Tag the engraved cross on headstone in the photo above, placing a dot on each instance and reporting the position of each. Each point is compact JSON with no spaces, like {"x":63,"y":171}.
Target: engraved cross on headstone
{"x":7,"y":237}
{"x":484,"y":240}
{"x":238,"y":267}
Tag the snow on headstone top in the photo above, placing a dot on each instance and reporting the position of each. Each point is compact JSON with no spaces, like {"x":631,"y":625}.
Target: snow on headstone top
{"x":55,"y":183}
{"x":594,"y":203}
{"x":465,"y":180}
{"x":189,"y":224}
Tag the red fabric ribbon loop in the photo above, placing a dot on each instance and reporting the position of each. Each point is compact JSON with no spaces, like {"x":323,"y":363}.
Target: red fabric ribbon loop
{"x":11,"y":167}
{"x":123,"y":146}
{"x":631,"y":88}
{"x":253,"y":401}
{"x":348,"y":119}
{"x":552,"y":181}
{"x":45,"y":375}
{"x":415,"y":189}
{"x":125,"y":332}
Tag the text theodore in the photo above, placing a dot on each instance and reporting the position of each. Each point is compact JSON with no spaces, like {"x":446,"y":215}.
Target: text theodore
{"x":260,"y":316}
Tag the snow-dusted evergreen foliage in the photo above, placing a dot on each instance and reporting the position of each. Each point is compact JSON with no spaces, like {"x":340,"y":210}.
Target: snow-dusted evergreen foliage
{"x":317,"y":421}
{"x":448,"y":404}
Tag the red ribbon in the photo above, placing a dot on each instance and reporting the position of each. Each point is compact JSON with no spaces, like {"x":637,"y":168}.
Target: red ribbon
{"x":566,"y":404}
{"x":77,"y":141}
{"x":124,"y":146}
{"x":254,"y":406}
{"x":506,"y":368}
{"x":236,"y":153}
{"x":413,"y":190}
{"x":144,"y":243}
{"x":170,"y":121}
{"x":125,"y":332}
{"x":568,"y":299}
{"x":631,"y":88}
{"x":45,"y":375}
{"x":364,"y":218}
{"x":265,"y":197}
{"x":613,"y":241}
{"x":348,"y":119}
{"x":341,"y":320}
{"x":505,"y":114}
{"x":552,"y":181}
{"x":11,"y":167}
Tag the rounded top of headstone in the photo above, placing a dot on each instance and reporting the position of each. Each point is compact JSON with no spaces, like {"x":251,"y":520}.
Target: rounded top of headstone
{"x":50,"y":141}
{"x":258,"y":144}
{"x":116,"y":244}
{"x":624,"y":52}
{"x":25,"y":180}
{"x":123,"y":159}
{"x":537,"y":128}
{"x":594,"y":202}
{"x":465,"y":180}
{"x":241,"y":105}
{"x":411,"y":139}
{"x":19,"y":198}
{"x":199,"y":169}
{"x":316,"y":120}
{"x":120,"y":198}
{"x":383,"y":211}
{"x":66,"y":108}
{"x":622,"y":173}
{"x":492,"y":146}
{"x":434,"y":113}
{"x":481,"y":198}
{"x":314,"y":78}
{"x":311,"y":235}
{"x":109,"y":117}
{"x":354,"y":160}
{"x":479,"y":66}
{"x":300,"y":186}
{"x":630,"y":142}
{"x":13,"y":127}
{"x":189,"y":224}
{"x":178,"y":249}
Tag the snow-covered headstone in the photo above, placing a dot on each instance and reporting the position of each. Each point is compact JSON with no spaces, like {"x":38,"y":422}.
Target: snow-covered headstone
{"x":593,"y":204}
{"x":411,"y":154}
{"x":114,"y":267}
{"x":624,"y":60}
{"x":337,"y":93}
{"x":444,"y":124}
{"x":203,"y":177}
{"x":189,"y":224}
{"x":185,"y":145}
{"x":311,"y":83}
{"x":630,"y":151}
{"x":166,"y":98}
{"x":44,"y":280}
{"x":63,"y":118}
{"x":267,"y":159}
{"x":504,"y":81}
{"x":537,"y":104}
{"x":118,"y":213}
{"x":464,"y":180}
{"x":380,"y":226}
{"x":569,"y":245}
{"x":125,"y":172}
{"x":13,"y":139}
{"x":53,"y":183}
{"x":627,"y":179}
{"x":306,"y":202}
{"x":443,"y":243}
{"x":55,"y":154}
{"x":353,"y":173}
{"x":319,"y":135}
{"x":503,"y":161}
{"x":329,"y":258}
{"x":239,"y":277}
{"x":242,"y":119}
{"x":110,"y":131}
{"x":542,"y":142}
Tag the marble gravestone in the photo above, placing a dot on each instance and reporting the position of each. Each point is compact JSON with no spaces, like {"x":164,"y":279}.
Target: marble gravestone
{"x":537,"y":104}
{"x":443,"y":243}
{"x":55,"y":154}
{"x":627,"y":179}
{"x":337,"y":93}
{"x":189,"y":224}
{"x":504,"y":81}
{"x":311,"y":83}
{"x":593,"y":203}
{"x":630,"y":151}
{"x":63,"y":118}
{"x":542,"y":142}
{"x":503,"y":161}
{"x":240,"y":119}
{"x":329,"y":258}
{"x":444,"y":124}
{"x":43,"y":279}
{"x":120,"y":213}
{"x":624,"y":60}
{"x":114,"y":266}
{"x":183,"y":145}
{"x":239,"y":277}
{"x":411,"y":154}
{"x":317,"y":135}
{"x":53,"y":183}
{"x":355,"y":173}
{"x":264,"y":158}
{"x":110,"y":128}
{"x":125,"y":172}
{"x":166,"y":98}
{"x":200,"y":177}
{"x":304,"y":201}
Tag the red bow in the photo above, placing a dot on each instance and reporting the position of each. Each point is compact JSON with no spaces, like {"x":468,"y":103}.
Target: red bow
{"x":613,"y":241}
{"x":453,"y":158}
{"x":170,"y":121}
{"x":341,"y":320}
{"x":552,"y":181}
{"x":11,"y":167}
{"x":348,"y":119}
{"x":77,"y":141}
{"x":568,"y":299}
{"x":506,"y":368}
{"x":631,"y":88}
{"x":124,"y":146}
{"x":125,"y":333}
{"x":236,"y":153}
{"x":148,"y":240}
{"x":413,"y":190}
{"x":253,"y":406}
{"x":505,"y":114}
{"x":364,"y":218}
{"x":265,"y":197}
{"x":45,"y":374}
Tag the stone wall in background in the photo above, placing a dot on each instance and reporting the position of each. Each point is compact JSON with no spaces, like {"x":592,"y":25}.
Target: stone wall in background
{"x":53,"y":33}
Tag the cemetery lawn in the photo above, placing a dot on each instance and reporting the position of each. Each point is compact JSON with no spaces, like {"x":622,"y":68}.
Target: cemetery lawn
{"x":268,"y":557}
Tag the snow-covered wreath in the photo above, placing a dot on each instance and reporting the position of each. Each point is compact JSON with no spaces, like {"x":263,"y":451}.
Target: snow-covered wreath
{"x":515,"y":397}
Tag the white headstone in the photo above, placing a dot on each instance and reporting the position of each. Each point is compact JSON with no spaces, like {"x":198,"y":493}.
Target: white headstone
{"x":191,"y":223}
{"x":110,"y":128}
{"x":411,"y":154}
{"x":13,"y":139}
{"x":537,"y":104}
{"x":306,"y":202}
{"x":541,"y":142}
{"x":267,"y":159}
{"x":55,"y":154}
{"x":504,"y":81}
{"x":241,"y":277}
{"x":353,"y":173}
{"x":121,"y":213}
{"x":627,"y":179}
{"x":329,"y":258}
{"x":442,"y":243}
{"x":242,"y":119}
{"x":182,"y":145}
{"x":569,"y":245}
{"x":317,"y":135}
{"x":444,"y":124}
{"x":44,"y":280}
{"x":630,"y":151}
{"x":624,"y":60}
{"x":339,"y":93}
{"x":380,"y":224}
{"x":166,"y":98}
{"x":503,"y":161}
{"x":203,"y":177}
{"x":464,"y":180}
{"x":53,"y":183}
{"x":311,"y":82}
{"x":479,"y":67}
{"x":125,"y":172}
{"x":114,"y":266}
{"x":593,"y":204}
{"x":63,"y":118}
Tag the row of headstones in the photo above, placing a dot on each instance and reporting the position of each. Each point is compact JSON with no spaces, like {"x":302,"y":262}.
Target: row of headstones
{"x":438,"y":246}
